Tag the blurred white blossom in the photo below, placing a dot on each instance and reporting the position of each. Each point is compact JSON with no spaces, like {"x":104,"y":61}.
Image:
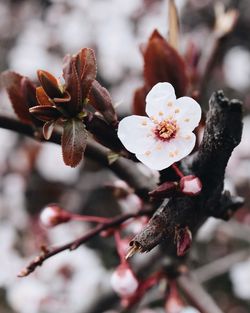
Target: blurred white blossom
{"x":240,"y":276}
{"x":236,"y":67}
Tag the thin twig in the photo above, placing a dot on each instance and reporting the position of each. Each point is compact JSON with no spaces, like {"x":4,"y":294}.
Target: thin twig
{"x":220,"y":266}
{"x":197,"y":295}
{"x":47,"y":253}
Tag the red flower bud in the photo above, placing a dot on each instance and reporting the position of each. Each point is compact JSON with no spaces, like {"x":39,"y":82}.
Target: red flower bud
{"x":184,"y":240}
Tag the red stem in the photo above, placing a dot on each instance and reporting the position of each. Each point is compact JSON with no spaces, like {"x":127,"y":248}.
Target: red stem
{"x":119,"y":249}
{"x":177,"y":170}
{"x":89,"y":218}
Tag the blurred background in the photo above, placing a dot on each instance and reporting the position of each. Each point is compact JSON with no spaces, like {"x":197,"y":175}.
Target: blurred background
{"x":36,"y":35}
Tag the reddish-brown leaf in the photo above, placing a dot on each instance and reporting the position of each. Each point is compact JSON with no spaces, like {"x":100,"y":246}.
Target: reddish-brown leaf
{"x":184,"y":240}
{"x":162,"y":63}
{"x":42,"y":97}
{"x":86,"y":69}
{"x":45,"y":112}
{"x":48,"y":128}
{"x":101,"y":100}
{"x":49,"y":84}
{"x":79,"y":73}
{"x":29,"y":92}
{"x":73,"y":86}
{"x":13,"y":84}
{"x":74,"y":141}
{"x":139,"y":101}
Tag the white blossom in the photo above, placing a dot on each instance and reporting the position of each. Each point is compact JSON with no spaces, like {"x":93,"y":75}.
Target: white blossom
{"x":123,"y":281}
{"x":165,"y":136}
{"x":240,"y":275}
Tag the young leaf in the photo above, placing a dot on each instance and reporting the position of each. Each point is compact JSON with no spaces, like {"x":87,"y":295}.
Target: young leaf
{"x":162,"y":63}
{"x":42,"y":97}
{"x":74,"y":141}
{"x":29,"y":92}
{"x":86,"y":69}
{"x":13,"y":83}
{"x":45,"y":112}
{"x":79,"y":72}
{"x":48,"y":128}
{"x":73,"y":86}
{"x":49,"y":84}
{"x":101,"y":100}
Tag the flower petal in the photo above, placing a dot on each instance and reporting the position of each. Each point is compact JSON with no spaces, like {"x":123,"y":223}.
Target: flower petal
{"x":159,"y":100}
{"x":184,"y":144}
{"x":187,"y":113}
{"x":135,"y":133}
{"x":160,"y":156}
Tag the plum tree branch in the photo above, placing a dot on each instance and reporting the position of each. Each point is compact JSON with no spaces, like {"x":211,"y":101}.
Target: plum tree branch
{"x":123,"y":168}
{"x":48,"y":253}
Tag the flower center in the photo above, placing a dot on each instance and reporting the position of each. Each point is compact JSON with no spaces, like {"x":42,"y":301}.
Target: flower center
{"x":166,"y":129}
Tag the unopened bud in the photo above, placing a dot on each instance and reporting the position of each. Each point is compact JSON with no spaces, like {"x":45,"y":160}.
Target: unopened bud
{"x":165,"y":190}
{"x":190,"y":185}
{"x":101,"y":101}
{"x":184,"y":240}
{"x":53,"y":215}
{"x":123,"y":281}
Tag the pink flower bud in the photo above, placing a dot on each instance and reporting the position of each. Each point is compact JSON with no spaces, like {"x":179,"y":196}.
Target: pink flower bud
{"x":123,"y":281}
{"x":184,"y":240}
{"x":190,"y":185}
{"x":53,"y":215}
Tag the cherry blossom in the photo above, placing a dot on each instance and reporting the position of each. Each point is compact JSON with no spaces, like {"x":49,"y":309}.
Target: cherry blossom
{"x":165,"y":136}
{"x":123,"y":281}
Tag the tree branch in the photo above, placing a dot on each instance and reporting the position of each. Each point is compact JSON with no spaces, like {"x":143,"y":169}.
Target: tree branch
{"x":197,"y":295}
{"x":220,"y":266}
{"x":48,"y":253}
{"x":125,"y":169}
